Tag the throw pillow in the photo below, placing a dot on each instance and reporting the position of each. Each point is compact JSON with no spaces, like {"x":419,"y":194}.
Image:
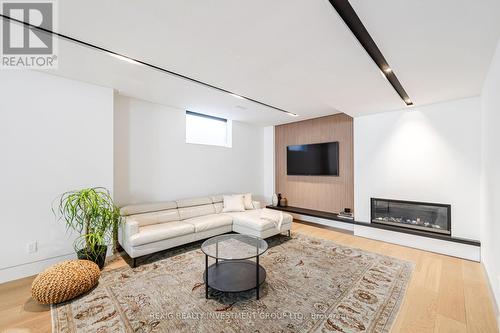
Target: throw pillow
{"x":233,"y":203}
{"x":247,"y":199}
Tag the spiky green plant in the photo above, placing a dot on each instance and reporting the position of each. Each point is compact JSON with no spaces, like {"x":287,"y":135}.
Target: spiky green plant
{"x":89,"y":211}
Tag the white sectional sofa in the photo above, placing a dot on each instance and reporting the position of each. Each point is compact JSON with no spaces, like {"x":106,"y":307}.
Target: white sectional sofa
{"x":153,"y":227}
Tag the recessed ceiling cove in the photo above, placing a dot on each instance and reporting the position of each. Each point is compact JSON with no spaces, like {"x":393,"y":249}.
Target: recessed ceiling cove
{"x":351,"y":19}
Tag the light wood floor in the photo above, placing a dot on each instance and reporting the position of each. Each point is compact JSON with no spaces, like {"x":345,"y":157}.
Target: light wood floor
{"x":445,"y":294}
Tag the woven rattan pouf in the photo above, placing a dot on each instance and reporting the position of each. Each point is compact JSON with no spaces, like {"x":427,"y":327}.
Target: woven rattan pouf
{"x":65,"y":281}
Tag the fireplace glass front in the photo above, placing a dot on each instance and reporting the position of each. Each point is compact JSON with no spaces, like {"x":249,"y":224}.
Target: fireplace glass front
{"x":430,"y":217}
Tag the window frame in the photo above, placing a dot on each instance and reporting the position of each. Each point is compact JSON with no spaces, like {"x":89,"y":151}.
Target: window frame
{"x":229,"y":129}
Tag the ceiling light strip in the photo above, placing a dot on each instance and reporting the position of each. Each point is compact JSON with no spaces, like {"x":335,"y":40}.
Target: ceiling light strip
{"x":351,"y":19}
{"x":139,"y":62}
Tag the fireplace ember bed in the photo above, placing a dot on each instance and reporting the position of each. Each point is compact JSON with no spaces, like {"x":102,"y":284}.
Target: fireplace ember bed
{"x":429,"y":217}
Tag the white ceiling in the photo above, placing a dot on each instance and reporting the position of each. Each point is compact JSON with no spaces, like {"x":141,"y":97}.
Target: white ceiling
{"x":294,"y":54}
{"x":440,"y":50}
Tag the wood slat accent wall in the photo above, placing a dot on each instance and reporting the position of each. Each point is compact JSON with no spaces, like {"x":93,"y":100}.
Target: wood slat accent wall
{"x":325,"y":193}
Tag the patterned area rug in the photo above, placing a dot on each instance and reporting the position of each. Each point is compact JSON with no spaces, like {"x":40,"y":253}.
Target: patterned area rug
{"x":312,"y":285}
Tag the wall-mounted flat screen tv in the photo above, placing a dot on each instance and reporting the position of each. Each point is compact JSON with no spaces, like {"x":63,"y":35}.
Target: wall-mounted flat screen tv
{"x":319,"y":159}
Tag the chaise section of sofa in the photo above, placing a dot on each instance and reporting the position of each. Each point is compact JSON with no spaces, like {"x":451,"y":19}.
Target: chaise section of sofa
{"x":153,"y":227}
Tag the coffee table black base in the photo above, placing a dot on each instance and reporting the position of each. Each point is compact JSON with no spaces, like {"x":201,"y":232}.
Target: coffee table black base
{"x":234,"y":276}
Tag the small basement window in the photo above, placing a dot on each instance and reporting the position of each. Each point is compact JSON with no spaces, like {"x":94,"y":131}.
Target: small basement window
{"x":208,"y":130}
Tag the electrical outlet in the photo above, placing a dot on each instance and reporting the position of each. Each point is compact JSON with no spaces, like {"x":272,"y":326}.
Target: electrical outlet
{"x":32,"y":247}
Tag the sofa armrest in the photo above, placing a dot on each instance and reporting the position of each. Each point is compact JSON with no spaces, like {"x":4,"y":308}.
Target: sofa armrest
{"x":132,"y":227}
{"x":129,"y":227}
{"x":256,"y":204}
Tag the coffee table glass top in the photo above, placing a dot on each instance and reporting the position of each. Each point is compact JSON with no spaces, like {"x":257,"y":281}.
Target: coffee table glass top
{"x":234,"y":247}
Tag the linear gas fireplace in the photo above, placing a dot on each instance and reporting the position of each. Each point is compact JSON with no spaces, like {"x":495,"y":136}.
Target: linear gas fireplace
{"x":424,"y":216}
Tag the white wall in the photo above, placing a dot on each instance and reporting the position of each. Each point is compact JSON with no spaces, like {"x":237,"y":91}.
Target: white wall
{"x":55,"y":136}
{"x":430,"y":153}
{"x":153,"y":162}
{"x":490,"y":181}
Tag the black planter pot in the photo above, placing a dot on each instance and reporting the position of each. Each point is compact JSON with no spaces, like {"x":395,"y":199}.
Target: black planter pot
{"x":99,"y":256}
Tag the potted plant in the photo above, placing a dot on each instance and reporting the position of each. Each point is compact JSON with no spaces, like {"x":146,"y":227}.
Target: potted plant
{"x":92,"y":213}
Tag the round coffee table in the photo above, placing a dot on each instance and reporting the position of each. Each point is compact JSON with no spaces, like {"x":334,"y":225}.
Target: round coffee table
{"x":233,"y":271}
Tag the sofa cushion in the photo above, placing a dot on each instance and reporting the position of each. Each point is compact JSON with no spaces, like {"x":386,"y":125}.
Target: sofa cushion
{"x":218,"y":207}
{"x":170,"y":215}
{"x":251,"y":219}
{"x":160,"y":231}
{"x":216,"y":198}
{"x":195,"y":211}
{"x":147,"y":208}
{"x":190,"y":202}
{"x":145,"y":219}
{"x":207,"y":222}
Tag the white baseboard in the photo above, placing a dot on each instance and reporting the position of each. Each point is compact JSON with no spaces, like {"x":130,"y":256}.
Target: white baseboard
{"x":32,"y":268}
{"x":24,"y":270}
{"x":326,"y":222}
{"x":454,"y":249}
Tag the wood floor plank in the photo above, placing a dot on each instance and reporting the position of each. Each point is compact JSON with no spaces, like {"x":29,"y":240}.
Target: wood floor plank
{"x":478,"y":304}
{"x":451,"y":301}
{"x":448,"y":325}
{"x":419,"y":312}
{"x":429,"y":277}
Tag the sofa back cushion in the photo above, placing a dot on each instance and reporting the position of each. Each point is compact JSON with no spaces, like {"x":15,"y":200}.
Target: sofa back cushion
{"x":171,"y":211}
{"x":217,"y":198}
{"x":195,"y":211}
{"x":147,"y":208}
{"x":170,"y":215}
{"x":190,"y":202}
{"x":144,"y":219}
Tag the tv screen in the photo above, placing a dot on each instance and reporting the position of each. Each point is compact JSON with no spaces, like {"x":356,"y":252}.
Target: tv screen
{"x":319,"y":159}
